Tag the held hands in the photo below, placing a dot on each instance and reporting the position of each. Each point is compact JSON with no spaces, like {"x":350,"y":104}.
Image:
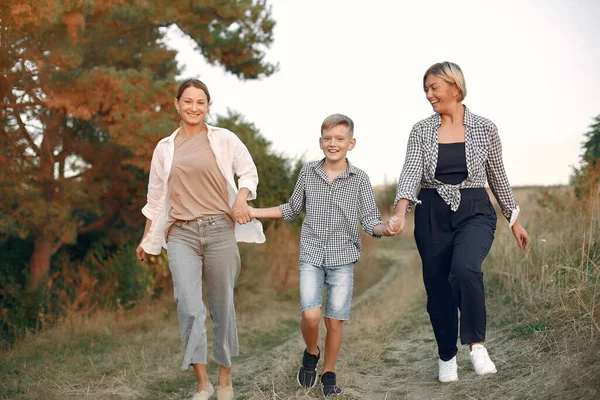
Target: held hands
{"x":520,"y":235}
{"x":393,"y":227}
{"x":396,"y":225}
{"x":242,"y":212}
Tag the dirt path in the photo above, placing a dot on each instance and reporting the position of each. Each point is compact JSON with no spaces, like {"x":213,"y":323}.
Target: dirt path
{"x":363,"y":367}
{"x":389,"y":350}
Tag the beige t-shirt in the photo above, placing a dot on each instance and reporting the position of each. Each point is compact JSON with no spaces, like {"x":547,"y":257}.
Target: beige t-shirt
{"x":196,"y":186}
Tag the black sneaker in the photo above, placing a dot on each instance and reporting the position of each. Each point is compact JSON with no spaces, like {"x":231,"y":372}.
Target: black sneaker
{"x":307,"y":374}
{"x":329,"y":386}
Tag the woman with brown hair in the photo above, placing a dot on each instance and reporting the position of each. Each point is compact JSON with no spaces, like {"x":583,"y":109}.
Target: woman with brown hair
{"x":193,"y":203}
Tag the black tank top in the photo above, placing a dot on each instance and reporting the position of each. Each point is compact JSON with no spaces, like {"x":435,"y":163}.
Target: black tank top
{"x":452,"y":164}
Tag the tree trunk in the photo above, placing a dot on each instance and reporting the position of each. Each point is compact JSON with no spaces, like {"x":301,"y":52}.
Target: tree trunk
{"x":39,"y":264}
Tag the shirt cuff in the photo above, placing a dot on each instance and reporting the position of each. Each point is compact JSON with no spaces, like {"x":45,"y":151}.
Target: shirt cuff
{"x":248,"y":184}
{"x":286,"y":212}
{"x":373,"y":235}
{"x":412,"y":202}
{"x":513,"y":216}
{"x":147,"y":212}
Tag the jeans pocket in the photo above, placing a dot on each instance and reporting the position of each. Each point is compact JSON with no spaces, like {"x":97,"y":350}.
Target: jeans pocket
{"x":179,"y":224}
{"x":221,"y":225}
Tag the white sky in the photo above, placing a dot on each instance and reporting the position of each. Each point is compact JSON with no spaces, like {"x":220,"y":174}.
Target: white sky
{"x":530,"y":66}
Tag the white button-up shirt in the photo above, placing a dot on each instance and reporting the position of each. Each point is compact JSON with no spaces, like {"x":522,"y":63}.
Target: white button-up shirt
{"x":232,"y":157}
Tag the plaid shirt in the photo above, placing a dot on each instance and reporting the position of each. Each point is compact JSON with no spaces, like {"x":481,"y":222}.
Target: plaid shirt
{"x":329,"y":235}
{"x":483,"y":153}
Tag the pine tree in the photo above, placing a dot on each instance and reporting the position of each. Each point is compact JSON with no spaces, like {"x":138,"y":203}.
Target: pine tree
{"x":591,"y":147}
{"x":586,"y":179}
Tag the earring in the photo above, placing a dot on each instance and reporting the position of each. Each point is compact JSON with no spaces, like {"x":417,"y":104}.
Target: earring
{"x":177,"y":110}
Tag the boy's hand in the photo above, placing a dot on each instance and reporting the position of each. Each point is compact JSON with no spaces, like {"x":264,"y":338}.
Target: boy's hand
{"x":396,"y":224}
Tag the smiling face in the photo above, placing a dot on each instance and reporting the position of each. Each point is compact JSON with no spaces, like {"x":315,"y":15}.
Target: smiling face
{"x":336,"y":142}
{"x":192,"y":105}
{"x":441,"y":94}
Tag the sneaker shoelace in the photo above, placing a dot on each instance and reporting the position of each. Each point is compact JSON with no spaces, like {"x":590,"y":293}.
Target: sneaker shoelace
{"x":328,"y":379}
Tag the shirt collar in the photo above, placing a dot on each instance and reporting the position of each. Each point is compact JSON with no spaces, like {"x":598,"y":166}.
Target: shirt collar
{"x":468,"y":119}
{"x":350,"y":170}
{"x":176,"y":132}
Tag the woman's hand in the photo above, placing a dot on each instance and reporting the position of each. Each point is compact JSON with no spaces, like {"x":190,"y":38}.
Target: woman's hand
{"x":140,"y":253}
{"x":240,"y":218}
{"x":396,"y":224}
{"x":240,"y":209}
{"x":520,"y":235}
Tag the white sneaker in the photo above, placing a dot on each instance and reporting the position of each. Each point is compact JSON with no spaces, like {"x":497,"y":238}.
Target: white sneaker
{"x":481,"y":360}
{"x":448,"y":370}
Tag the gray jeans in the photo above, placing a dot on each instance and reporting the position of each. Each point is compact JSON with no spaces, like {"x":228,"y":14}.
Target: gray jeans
{"x":205,"y":245}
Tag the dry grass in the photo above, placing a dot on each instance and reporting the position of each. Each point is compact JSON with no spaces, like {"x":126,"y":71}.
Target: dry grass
{"x":543,"y":305}
{"x":548,"y":300}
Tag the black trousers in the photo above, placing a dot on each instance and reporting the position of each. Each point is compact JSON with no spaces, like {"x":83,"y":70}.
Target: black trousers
{"x":452,"y":246}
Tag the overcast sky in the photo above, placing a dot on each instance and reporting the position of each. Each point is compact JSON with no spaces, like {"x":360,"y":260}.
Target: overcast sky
{"x":530,"y":66}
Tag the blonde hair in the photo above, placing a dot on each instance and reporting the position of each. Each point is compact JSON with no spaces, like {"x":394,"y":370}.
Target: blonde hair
{"x":451,"y":73}
{"x":338,"y":119}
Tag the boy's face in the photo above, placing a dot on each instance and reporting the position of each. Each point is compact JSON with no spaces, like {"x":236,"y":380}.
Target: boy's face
{"x":336,"y":142}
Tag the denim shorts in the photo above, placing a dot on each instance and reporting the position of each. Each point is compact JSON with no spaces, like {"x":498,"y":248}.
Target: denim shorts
{"x":340,"y":283}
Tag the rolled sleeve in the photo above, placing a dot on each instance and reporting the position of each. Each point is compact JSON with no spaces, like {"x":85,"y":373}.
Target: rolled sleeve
{"x":244,"y":167}
{"x":368,"y":212}
{"x":412,"y":171}
{"x":497,"y":179}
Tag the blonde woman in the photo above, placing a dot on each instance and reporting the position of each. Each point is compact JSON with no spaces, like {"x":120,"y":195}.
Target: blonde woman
{"x":193,"y":201}
{"x":451,"y":155}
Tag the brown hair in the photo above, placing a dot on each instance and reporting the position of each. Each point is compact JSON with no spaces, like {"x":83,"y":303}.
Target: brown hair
{"x":451,"y":73}
{"x":338,"y":119}
{"x":196,"y":83}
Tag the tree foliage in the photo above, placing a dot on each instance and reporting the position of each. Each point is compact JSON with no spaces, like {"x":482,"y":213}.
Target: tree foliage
{"x":591,"y":147}
{"x":85,"y":85}
{"x":586,"y":179}
{"x":277,"y":177}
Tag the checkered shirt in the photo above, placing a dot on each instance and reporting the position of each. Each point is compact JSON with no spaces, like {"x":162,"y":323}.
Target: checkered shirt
{"x":483,"y":152}
{"x":329,"y":235}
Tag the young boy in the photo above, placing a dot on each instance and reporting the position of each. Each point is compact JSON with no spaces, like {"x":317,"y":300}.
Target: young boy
{"x":336,"y":195}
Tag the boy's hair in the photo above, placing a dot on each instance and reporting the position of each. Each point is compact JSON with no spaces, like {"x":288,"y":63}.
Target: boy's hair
{"x":338,"y":119}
